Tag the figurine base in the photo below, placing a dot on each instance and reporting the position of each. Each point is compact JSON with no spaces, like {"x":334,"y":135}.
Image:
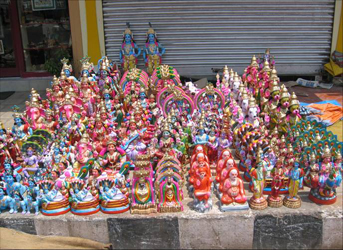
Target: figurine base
{"x":201,"y":207}
{"x":317,"y":198}
{"x":233,"y":207}
{"x":166,"y":209}
{"x":259,"y":204}
{"x":85,"y":208}
{"x":275,"y":203}
{"x":55,"y":208}
{"x":292,"y":203}
{"x":115,"y":206}
{"x":143,"y":209}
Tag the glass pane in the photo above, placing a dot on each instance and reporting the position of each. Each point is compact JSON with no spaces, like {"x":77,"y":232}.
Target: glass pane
{"x":7,"y":57}
{"x":45,"y":31}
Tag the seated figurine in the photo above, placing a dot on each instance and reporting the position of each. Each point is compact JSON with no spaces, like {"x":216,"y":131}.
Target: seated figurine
{"x":168,"y":186}
{"x":202,"y":189}
{"x":233,"y":197}
{"x":112,"y":199}
{"x":143,"y":200}
{"x":53,"y":202}
{"x":83,"y":202}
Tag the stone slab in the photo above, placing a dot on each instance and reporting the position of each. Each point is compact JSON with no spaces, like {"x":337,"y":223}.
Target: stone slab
{"x":294,"y":231}
{"x":332,"y":230}
{"x":89,"y":227}
{"x":25,"y":225}
{"x":144,"y":233}
{"x":228,"y":232}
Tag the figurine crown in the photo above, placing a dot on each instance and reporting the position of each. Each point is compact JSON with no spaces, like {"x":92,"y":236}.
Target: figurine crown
{"x":327,"y":151}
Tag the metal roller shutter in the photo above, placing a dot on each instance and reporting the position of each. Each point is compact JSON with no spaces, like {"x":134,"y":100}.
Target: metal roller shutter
{"x":200,"y":35}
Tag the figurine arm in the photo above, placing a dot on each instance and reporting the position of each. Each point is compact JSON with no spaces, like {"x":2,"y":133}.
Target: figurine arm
{"x":162,"y":49}
{"x":138,"y":51}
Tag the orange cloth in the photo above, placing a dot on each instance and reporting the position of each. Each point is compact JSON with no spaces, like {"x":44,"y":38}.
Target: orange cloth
{"x":330,"y":112}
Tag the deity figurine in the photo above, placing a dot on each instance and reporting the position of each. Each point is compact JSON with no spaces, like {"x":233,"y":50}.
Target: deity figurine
{"x":258,"y":201}
{"x":166,"y":143}
{"x":6,"y":201}
{"x":112,"y":158}
{"x":30,"y":162}
{"x":83,"y":201}
{"x":323,"y":191}
{"x":202,"y":189}
{"x":53,"y":202}
{"x":20,"y":129}
{"x":112,"y":199}
{"x":312,"y":172}
{"x":143,"y":198}
{"x":274,"y":199}
{"x":292,"y":200}
{"x":233,"y":194}
{"x":129,"y":51}
{"x":169,"y":193}
{"x":153,"y":51}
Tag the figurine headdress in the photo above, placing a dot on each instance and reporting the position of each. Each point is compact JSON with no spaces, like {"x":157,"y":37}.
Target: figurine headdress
{"x":252,"y":102}
{"x":274,"y":86}
{"x":86,"y":65}
{"x":338,"y":156}
{"x":151,"y":30}
{"x":327,"y":151}
{"x":127,"y":30}
{"x":65,"y":65}
{"x":273,"y":75}
{"x":107,"y":182}
{"x":294,"y":100}
{"x":313,"y":156}
{"x":46,"y":184}
{"x":84,"y":138}
{"x":77,"y":184}
{"x":284,"y":92}
{"x":266,"y":67}
{"x":254,"y":62}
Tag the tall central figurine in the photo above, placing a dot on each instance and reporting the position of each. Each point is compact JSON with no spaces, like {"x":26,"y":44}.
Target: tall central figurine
{"x":153,"y":51}
{"x":129,"y":50}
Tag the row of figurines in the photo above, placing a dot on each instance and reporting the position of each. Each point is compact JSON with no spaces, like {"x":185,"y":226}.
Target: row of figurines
{"x":108,"y":191}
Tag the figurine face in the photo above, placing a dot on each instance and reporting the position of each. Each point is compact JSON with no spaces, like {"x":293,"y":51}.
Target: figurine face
{"x":85,"y":71}
{"x":127,"y":38}
{"x":67,"y":72}
{"x":253,"y":112}
{"x":199,"y":149}
{"x":111,"y":148}
{"x":229,"y":163}
{"x":9,"y":179}
{"x":166,"y":134}
{"x":7,"y":166}
{"x":31,"y":184}
{"x":233,"y":175}
{"x":151,"y":38}
{"x":29,"y":152}
{"x":107,"y":96}
{"x":226,"y":155}
{"x":98,"y":124}
{"x":17,"y":121}
{"x":133,"y":126}
{"x":201,"y":131}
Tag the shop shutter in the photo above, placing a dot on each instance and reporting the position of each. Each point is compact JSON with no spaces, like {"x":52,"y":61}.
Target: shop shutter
{"x":201,"y":35}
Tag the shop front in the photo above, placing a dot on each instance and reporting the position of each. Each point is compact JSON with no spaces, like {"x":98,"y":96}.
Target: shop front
{"x":33,"y":33}
{"x":203,"y":35}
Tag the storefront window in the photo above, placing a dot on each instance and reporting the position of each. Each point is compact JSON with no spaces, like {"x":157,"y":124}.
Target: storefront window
{"x":45,"y":31}
{"x":7,"y":56}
